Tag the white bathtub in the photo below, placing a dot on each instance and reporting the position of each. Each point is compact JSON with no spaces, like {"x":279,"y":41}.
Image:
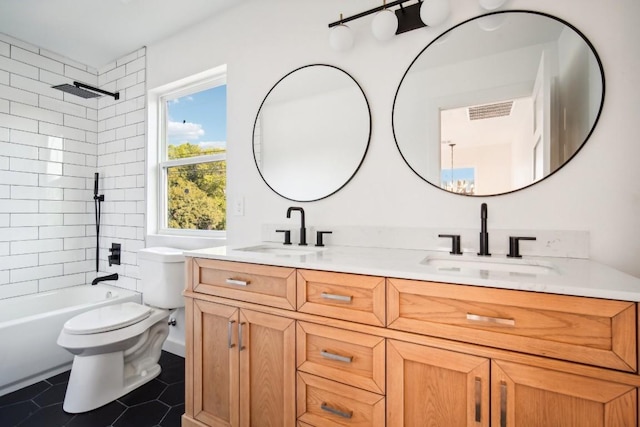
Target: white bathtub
{"x":29,"y":328}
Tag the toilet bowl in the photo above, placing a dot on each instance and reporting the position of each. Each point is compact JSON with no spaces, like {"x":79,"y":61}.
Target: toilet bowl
{"x":116,"y":348}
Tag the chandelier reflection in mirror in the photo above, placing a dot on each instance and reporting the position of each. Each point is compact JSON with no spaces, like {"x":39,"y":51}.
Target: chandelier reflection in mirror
{"x":518,"y":92}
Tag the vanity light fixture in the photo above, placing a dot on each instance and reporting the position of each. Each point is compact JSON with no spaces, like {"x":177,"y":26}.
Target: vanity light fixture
{"x":387,"y":23}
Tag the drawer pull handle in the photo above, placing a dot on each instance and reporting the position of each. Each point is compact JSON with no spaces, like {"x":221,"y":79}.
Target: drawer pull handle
{"x":478,"y":396}
{"x":503,"y":404}
{"x":332,"y":356}
{"x":335,"y":411}
{"x":229,"y":333}
{"x":237,"y":282}
{"x":334,"y":297}
{"x":488,"y":319}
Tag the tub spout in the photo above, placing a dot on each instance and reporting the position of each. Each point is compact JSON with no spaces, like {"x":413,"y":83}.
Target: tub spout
{"x":97,"y":280}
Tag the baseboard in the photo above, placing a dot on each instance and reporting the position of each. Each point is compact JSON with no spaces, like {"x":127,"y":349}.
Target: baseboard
{"x":174,"y":347}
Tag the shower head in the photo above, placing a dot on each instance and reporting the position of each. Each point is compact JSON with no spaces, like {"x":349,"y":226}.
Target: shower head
{"x":85,"y":91}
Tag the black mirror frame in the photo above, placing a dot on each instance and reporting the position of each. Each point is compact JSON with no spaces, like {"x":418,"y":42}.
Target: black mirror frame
{"x":595,"y":122}
{"x":364,"y":154}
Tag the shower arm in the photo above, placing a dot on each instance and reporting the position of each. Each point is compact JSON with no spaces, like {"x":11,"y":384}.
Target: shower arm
{"x":116,"y":95}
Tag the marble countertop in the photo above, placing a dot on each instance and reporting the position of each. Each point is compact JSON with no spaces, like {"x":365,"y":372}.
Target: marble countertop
{"x":565,"y":276}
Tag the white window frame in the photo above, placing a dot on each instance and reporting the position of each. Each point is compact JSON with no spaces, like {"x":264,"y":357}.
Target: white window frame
{"x":158,"y":164}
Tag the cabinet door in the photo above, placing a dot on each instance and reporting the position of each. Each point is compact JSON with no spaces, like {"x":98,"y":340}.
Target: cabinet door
{"x":433,"y":387}
{"x":267,"y":370}
{"x":526,"y":396}
{"x":215,"y":364}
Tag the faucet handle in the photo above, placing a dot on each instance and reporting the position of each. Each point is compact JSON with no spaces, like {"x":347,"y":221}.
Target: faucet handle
{"x":319,"y":235}
{"x":287,"y":236}
{"x":455,"y":243}
{"x":514,"y":246}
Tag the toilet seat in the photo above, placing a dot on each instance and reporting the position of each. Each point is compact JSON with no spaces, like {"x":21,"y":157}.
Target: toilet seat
{"x":107,"y":318}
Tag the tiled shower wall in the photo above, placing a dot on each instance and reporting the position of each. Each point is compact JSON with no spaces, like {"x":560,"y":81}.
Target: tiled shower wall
{"x":51,"y":144}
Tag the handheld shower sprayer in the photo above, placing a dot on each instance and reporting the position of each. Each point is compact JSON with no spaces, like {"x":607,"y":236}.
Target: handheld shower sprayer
{"x":97,"y":201}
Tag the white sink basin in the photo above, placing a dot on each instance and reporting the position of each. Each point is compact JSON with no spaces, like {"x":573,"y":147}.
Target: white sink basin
{"x":282,"y":250}
{"x":502,"y":264}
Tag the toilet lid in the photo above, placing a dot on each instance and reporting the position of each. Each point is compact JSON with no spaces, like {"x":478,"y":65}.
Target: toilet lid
{"x":107,"y":318}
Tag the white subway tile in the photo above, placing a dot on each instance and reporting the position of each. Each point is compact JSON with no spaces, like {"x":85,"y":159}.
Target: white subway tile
{"x":62,"y":281}
{"x":4,"y":106}
{"x":80,"y":147}
{"x":92,"y":114}
{"x":18,"y":178}
{"x":61,"y":231}
{"x":137,"y":116}
{"x":77,"y":170}
{"x":125,"y":156}
{"x":4,"y":163}
{"x":136,"y":91}
{"x":17,"y":67}
{"x":105,"y":69}
{"x":16,"y":289}
{"x":59,"y":181}
{"x":5,"y":49}
{"x":125,"y":207}
{"x":59,"y":257}
{"x":80,"y":219}
{"x":20,"y":123}
{"x":113,"y":75}
{"x":4,"y":77}
{"x":135,"y":168}
{"x":125,"y":181}
{"x":135,"y":194}
{"x":80,"y":123}
{"x":79,"y":243}
{"x":5,"y":219}
{"x":107,"y":159}
{"x":135,"y":142}
{"x":4,"y":248}
{"x":91,"y":161}
{"x":36,"y":166}
{"x":36,"y":193}
{"x":141,"y":128}
{"x":81,"y":75}
{"x":36,"y":86}
{"x":142,"y":76}
{"x":62,"y":132}
{"x":36,"y":246}
{"x":116,"y":146}
{"x":107,"y":112}
{"x":126,"y":132}
{"x":36,"y":60}
{"x":63,"y":107}
{"x":49,"y":206}
{"x":73,"y":194}
{"x":137,"y":65}
{"x":126,"y":82}
{"x":36,"y":140}
{"x":36,"y":113}
{"x":106,"y":136}
{"x":4,"y":134}
{"x":18,"y":233}
{"x":17,"y":42}
{"x":19,"y":95}
{"x":35,"y":219}
{"x":63,"y":156}
{"x":125,"y":233}
{"x":114,"y":122}
{"x":18,"y":150}
{"x":113,"y":218}
{"x":141,"y":155}
{"x":18,"y":206}
{"x":79,"y":267}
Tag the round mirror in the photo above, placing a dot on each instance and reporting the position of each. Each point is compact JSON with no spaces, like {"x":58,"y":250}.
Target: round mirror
{"x":498,"y":102}
{"x":311,"y":133}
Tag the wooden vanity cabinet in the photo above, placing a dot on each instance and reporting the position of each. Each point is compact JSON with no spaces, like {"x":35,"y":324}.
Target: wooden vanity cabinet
{"x":276,"y":346}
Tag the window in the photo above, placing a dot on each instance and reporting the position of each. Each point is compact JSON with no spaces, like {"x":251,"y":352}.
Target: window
{"x":192,"y":158}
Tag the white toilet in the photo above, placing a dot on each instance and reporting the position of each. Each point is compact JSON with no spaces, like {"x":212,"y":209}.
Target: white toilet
{"x":117,"y":347}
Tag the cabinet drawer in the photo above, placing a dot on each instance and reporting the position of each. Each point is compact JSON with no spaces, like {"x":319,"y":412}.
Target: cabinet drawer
{"x":587,"y":330}
{"x":261,"y":284}
{"x":343,"y":296}
{"x":349,"y":357}
{"x":322,"y":402}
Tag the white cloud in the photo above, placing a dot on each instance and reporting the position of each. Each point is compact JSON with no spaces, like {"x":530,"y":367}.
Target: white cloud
{"x":185,"y":131}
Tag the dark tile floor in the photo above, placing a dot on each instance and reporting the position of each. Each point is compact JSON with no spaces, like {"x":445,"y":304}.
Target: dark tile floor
{"x":160,"y":402}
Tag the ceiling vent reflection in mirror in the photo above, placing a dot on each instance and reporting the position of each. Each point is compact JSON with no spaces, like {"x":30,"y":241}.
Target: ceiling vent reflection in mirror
{"x":490,"y":111}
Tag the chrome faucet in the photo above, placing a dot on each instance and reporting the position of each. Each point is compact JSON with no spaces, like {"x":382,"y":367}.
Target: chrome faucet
{"x":303,"y":229}
{"x":484,"y":236}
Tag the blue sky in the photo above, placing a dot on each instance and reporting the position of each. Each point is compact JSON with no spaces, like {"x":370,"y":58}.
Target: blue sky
{"x":199,"y":118}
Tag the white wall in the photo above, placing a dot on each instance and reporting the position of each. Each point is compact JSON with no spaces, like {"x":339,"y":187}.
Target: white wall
{"x":262,"y":41}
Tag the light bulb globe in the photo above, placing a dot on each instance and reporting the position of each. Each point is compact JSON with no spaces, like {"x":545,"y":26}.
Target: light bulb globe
{"x":434,"y":12}
{"x":384,"y":25}
{"x":340,"y":38}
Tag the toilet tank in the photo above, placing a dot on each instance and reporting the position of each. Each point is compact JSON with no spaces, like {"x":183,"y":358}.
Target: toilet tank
{"x":162,"y":276}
